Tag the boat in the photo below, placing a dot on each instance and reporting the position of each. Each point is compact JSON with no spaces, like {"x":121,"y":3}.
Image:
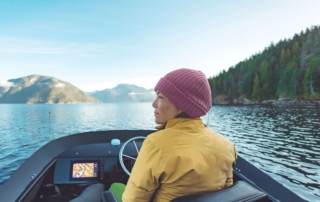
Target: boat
{"x":53,"y":171}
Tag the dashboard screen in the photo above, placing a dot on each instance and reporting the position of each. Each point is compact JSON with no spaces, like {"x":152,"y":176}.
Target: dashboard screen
{"x":83,"y":169}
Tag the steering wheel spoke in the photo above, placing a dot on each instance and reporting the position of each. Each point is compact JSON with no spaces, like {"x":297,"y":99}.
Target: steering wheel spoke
{"x":136,"y":146}
{"x":129,"y":157}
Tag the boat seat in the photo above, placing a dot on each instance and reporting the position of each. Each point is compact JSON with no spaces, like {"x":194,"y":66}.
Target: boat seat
{"x":108,"y":196}
{"x":239,"y":191}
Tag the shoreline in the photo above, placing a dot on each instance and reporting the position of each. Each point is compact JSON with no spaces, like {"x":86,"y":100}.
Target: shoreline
{"x":279,"y":102}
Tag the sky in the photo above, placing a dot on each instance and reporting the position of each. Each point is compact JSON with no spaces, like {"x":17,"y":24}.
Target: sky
{"x":98,"y":44}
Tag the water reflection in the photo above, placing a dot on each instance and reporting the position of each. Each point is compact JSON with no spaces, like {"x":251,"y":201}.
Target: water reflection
{"x":282,"y":141}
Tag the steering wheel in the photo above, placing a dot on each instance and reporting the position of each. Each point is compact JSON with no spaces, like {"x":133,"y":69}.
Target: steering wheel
{"x":122,"y":155}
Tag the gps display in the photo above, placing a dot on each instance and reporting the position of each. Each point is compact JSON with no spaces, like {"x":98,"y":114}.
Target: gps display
{"x":83,"y":169}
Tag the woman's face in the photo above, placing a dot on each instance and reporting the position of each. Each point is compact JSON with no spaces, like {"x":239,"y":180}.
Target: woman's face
{"x":164,"y":109}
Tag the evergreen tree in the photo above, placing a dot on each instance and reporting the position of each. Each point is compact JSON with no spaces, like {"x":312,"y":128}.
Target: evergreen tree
{"x":288,"y":56}
{"x":289,"y":80}
{"x":283,"y":59}
{"x":296,"y":49}
{"x":256,"y":93}
{"x":311,"y":80}
{"x":231,"y":86}
{"x":265,"y":80}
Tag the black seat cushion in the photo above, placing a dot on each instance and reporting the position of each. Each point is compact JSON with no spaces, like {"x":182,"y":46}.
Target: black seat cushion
{"x":240,"y":191}
{"x":108,"y":196}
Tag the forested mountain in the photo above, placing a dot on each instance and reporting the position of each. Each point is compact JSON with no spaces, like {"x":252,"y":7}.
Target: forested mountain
{"x":125,"y":93}
{"x":42,"y":89}
{"x":288,"y":69}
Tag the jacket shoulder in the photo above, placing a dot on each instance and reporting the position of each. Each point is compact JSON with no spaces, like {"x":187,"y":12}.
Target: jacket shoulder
{"x":163,"y":137}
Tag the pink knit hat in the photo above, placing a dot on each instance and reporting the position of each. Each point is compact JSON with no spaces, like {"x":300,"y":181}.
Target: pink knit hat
{"x":188,"y":90}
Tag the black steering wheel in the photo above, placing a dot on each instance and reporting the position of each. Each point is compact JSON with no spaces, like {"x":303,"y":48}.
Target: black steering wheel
{"x":122,"y":155}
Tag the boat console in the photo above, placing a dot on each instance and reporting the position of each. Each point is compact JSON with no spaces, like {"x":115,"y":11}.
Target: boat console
{"x":100,"y":162}
{"x":106,"y":163}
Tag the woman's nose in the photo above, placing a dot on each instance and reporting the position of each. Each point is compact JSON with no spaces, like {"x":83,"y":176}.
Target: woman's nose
{"x":154,"y":104}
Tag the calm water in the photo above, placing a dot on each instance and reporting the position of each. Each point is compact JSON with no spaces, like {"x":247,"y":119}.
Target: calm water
{"x":283,"y":142}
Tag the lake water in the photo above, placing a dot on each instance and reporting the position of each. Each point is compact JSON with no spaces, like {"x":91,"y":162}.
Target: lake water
{"x":282,"y":141}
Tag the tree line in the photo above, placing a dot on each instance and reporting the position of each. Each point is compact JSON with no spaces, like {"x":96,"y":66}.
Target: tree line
{"x":288,"y":69}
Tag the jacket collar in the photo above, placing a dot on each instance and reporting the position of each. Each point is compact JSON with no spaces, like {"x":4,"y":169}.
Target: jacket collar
{"x":176,"y":121}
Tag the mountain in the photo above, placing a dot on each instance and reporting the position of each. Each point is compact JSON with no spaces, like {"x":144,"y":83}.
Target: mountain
{"x":43,"y":89}
{"x":125,"y":93}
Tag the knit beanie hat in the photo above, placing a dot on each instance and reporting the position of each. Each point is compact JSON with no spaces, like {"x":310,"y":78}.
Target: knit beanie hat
{"x":188,"y":90}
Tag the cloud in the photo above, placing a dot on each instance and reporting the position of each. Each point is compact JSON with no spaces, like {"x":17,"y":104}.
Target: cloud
{"x":133,"y":93}
{"x":5,"y":83}
{"x":59,"y":85}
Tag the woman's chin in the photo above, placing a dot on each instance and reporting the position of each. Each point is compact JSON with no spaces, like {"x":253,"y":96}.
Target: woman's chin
{"x":157,"y":121}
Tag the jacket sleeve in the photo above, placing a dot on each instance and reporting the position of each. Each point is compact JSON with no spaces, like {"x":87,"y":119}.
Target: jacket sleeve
{"x":235,"y":156}
{"x":229,"y":181}
{"x":143,"y":181}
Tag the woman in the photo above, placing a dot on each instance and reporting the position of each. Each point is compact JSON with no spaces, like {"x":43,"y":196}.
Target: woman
{"x":184,"y":156}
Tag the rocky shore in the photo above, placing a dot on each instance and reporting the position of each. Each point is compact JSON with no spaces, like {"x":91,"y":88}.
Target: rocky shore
{"x":225,"y":100}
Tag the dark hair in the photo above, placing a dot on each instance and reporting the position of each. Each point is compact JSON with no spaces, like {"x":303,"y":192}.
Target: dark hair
{"x":182,"y":115}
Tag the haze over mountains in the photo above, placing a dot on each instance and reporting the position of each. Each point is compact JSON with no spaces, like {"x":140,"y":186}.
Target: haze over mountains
{"x":45,"y":89}
{"x":125,"y":93}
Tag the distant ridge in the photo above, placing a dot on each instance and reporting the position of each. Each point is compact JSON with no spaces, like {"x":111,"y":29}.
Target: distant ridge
{"x":43,"y":89}
{"x":125,"y":93}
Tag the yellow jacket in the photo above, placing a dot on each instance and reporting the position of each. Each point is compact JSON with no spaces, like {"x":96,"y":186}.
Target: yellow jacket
{"x":183,"y":158}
